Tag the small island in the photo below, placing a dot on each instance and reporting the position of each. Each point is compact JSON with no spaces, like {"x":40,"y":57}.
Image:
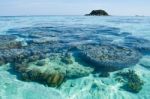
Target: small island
{"x":98,"y":13}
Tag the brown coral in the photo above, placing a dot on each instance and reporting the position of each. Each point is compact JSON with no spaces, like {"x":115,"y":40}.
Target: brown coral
{"x":55,"y":79}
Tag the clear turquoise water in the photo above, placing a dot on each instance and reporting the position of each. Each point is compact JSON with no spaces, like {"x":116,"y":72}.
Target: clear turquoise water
{"x":70,"y":29}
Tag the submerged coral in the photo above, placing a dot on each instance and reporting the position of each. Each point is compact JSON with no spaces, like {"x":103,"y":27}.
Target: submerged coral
{"x":49,"y":74}
{"x":31,"y":53}
{"x":67,"y":59}
{"x":50,"y":79}
{"x":108,"y":57}
{"x":9,"y":41}
{"x":29,"y":60}
{"x":104,"y":74}
{"x":133,"y":82}
{"x":55,"y":80}
{"x":40,"y":63}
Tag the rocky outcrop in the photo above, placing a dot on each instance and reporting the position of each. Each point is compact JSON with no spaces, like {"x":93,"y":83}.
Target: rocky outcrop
{"x":98,"y":13}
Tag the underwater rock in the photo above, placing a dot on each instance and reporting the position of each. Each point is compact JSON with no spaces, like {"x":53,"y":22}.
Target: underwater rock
{"x":133,"y":82}
{"x":98,"y":13}
{"x":9,"y":41}
{"x":108,"y":57}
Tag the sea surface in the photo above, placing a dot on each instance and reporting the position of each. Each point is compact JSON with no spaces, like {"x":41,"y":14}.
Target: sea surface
{"x":132,"y":32}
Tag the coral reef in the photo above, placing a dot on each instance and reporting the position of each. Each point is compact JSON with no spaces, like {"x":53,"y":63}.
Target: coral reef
{"x":42,"y":44}
{"x":67,"y":59}
{"x":40,"y":63}
{"x":51,"y":79}
{"x":9,"y":41}
{"x":108,"y":57}
{"x":47,"y":74}
{"x":133,"y":82}
{"x":55,"y":80}
{"x":104,"y":74}
{"x":31,"y":53}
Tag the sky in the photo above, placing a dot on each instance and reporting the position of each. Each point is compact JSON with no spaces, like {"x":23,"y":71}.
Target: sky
{"x":73,"y":7}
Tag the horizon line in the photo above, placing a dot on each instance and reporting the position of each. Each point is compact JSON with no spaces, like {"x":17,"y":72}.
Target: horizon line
{"x":72,"y":15}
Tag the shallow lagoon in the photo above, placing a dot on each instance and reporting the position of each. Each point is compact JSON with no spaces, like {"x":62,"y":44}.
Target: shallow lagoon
{"x":131,"y":32}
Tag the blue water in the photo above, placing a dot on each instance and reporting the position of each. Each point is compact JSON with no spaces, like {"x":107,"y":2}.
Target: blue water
{"x":73,"y":30}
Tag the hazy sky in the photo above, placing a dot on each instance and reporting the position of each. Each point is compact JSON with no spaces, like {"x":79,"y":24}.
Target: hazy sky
{"x":73,"y":7}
